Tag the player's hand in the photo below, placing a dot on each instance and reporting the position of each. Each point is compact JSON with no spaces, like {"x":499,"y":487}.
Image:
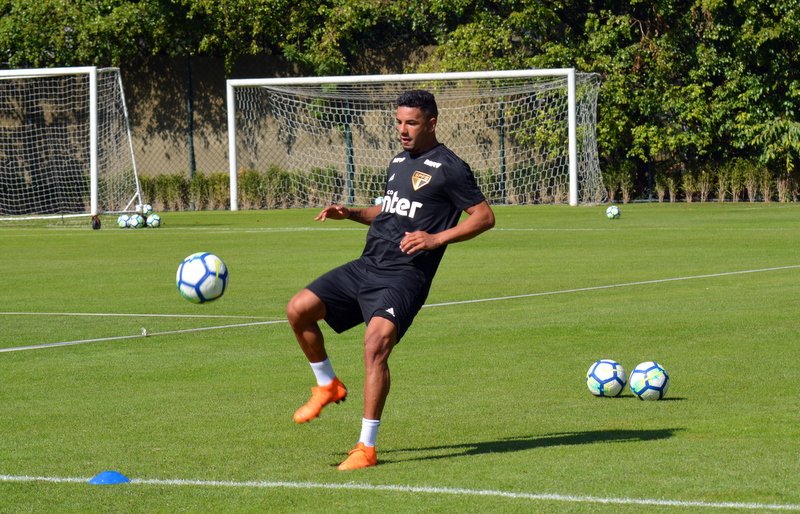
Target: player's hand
{"x":417,"y":241}
{"x":334,"y":212}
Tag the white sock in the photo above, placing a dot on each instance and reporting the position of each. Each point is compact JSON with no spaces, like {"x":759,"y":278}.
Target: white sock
{"x":369,"y":431}
{"x":323,"y":371}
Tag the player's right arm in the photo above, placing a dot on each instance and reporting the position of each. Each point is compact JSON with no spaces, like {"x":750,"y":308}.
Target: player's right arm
{"x":340,"y":212}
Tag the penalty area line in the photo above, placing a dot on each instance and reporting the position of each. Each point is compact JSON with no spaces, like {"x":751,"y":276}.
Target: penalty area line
{"x":128,"y":315}
{"x":144,"y":333}
{"x":612,"y":286}
{"x":454,"y":491}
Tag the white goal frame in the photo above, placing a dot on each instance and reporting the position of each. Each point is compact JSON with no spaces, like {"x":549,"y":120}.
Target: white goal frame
{"x":94,"y":171}
{"x":568,"y":73}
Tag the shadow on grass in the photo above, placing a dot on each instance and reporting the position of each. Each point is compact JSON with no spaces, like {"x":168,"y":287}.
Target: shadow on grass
{"x":667,"y":399}
{"x":522,"y":443}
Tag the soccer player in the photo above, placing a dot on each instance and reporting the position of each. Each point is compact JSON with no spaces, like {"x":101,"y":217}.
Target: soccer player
{"x":427,"y":189}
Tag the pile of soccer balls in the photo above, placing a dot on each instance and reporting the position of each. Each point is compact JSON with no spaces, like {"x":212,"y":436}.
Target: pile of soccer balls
{"x":143,"y":217}
{"x":648,"y":381}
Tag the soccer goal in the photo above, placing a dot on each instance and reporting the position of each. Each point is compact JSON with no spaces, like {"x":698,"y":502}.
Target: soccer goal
{"x":529,"y":135}
{"x":65,"y":144}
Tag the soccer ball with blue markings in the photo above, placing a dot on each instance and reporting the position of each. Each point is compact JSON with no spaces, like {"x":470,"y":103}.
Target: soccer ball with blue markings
{"x":202,"y":277}
{"x":649,"y":381}
{"x":153,"y":221}
{"x":613,"y":212}
{"x":606,"y":377}
{"x":136,"y":221}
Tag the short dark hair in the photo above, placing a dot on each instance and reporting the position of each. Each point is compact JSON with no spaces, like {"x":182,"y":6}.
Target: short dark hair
{"x":421,"y":99}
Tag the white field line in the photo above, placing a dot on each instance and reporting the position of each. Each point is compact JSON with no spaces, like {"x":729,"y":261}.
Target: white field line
{"x":143,"y":333}
{"x":444,"y":304}
{"x":127,"y":315}
{"x":350,"y":486}
{"x":612,"y":286}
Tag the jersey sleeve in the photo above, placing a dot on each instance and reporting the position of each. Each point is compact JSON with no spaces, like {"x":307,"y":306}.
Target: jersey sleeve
{"x":462,"y":187}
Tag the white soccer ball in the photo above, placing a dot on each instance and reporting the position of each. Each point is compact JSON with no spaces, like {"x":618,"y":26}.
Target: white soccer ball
{"x":606,"y":377}
{"x":154,"y":221}
{"x":202,"y":277}
{"x":612,"y":212}
{"x":649,"y":381}
{"x":147,"y":210}
{"x":122,"y":221}
{"x":135,"y":221}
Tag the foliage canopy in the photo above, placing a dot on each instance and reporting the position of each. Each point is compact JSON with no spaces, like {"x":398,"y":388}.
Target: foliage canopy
{"x":688,"y":83}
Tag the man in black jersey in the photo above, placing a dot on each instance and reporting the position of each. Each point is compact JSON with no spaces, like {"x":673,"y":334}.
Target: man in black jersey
{"x":427,"y":189}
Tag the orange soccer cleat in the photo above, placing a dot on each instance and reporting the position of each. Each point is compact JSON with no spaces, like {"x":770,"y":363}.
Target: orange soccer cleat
{"x":362,"y":456}
{"x":321,"y":396}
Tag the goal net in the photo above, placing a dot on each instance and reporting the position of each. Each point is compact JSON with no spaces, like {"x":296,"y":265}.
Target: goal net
{"x":65,"y":144}
{"x":528,"y":135}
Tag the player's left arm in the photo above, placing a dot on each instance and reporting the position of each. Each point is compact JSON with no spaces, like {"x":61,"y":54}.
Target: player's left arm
{"x":340,"y":212}
{"x":480,"y":219}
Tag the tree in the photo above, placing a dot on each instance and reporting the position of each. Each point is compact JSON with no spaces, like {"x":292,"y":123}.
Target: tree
{"x":752,"y":49}
{"x":687,"y":83}
{"x":46,"y":33}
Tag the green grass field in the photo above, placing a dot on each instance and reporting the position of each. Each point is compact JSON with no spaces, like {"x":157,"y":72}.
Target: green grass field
{"x":489,"y":411}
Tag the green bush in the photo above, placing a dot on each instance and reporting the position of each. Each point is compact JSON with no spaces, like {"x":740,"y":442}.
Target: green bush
{"x":172,"y":192}
{"x":276,"y":188}
{"x":251,"y":190}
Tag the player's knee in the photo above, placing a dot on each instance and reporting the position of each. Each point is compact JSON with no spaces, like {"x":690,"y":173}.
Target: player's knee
{"x":379,"y":341}
{"x":303,"y":308}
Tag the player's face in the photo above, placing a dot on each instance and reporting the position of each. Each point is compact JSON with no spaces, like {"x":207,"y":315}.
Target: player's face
{"x":417,"y":133}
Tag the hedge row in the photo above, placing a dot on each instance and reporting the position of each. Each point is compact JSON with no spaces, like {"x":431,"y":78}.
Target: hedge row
{"x":739,"y":180}
{"x":272,"y":189}
{"x":277,"y":188}
{"x":736,"y":180}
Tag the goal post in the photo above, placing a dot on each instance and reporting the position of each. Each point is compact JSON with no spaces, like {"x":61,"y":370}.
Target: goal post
{"x":529,"y":135}
{"x":65,"y":144}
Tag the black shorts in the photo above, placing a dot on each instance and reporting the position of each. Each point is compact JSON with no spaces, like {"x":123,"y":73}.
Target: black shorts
{"x":354,"y":293}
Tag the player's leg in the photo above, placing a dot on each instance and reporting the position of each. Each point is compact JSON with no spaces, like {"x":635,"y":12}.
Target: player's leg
{"x":379,"y":340}
{"x":304,"y":311}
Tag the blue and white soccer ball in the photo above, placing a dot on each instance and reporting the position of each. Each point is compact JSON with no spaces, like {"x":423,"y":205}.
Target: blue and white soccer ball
{"x":613,"y":212}
{"x":153,"y":221}
{"x":122,"y":221}
{"x":135,"y":221}
{"x":202,"y":277}
{"x":649,"y":381}
{"x":145,"y":209}
{"x":606,"y":377}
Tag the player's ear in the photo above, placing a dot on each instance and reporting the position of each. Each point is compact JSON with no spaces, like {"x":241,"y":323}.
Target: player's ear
{"x":432,"y":123}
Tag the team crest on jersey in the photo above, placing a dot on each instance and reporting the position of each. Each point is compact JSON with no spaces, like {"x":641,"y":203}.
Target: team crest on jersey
{"x":419,"y":179}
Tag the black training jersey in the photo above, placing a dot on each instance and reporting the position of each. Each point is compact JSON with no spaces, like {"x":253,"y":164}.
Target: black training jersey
{"x":424,"y":192}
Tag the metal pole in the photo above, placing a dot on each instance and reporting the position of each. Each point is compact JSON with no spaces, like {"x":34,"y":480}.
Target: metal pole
{"x":190,"y":120}
{"x":573,"y":139}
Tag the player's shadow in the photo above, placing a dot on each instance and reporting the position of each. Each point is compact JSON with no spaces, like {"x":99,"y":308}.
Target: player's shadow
{"x":523,"y":443}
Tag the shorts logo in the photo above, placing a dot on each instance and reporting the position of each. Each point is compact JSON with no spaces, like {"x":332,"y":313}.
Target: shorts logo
{"x":419,"y":179}
{"x":390,"y":310}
